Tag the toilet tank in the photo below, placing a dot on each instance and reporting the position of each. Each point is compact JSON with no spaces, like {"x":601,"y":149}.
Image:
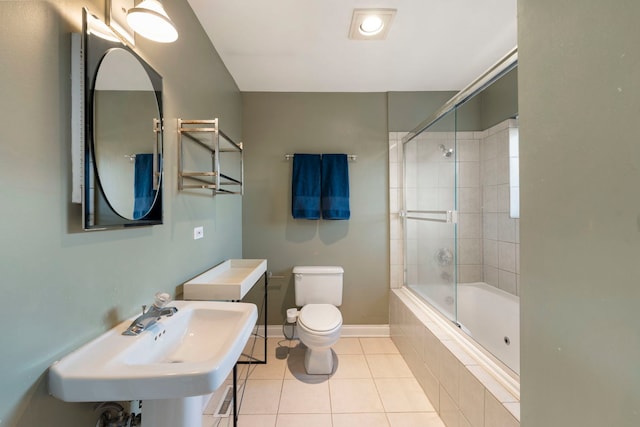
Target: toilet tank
{"x":318,"y":285}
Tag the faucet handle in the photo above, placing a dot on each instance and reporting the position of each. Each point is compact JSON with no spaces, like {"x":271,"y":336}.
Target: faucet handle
{"x":162,"y":299}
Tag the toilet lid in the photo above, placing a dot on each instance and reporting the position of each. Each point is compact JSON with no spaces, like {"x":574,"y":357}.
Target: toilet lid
{"x":320,"y":317}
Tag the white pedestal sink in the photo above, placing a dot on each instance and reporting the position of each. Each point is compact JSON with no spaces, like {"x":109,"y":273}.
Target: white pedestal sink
{"x":168,"y":366}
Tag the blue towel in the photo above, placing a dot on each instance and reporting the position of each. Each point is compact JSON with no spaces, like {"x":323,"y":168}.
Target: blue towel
{"x":335,"y":186}
{"x":305,"y":186}
{"x":143,"y":192}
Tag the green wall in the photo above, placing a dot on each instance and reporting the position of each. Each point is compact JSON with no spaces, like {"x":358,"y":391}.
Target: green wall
{"x":62,"y":286}
{"x":276,"y":124}
{"x":579,"y":68}
{"x":500,"y":100}
{"x":408,"y":109}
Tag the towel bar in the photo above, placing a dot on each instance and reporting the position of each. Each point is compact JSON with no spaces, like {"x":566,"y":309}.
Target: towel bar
{"x":352,"y":157}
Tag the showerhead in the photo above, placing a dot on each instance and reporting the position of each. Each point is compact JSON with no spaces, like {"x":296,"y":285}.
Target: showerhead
{"x":446,"y":152}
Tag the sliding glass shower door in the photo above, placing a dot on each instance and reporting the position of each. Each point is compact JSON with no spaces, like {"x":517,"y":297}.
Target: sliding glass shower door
{"x":430,"y":214}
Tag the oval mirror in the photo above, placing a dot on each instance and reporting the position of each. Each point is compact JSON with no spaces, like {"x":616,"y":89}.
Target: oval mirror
{"x":125,"y":111}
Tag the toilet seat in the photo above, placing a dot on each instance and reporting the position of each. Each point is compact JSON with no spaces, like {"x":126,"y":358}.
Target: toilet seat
{"x":320,"y":319}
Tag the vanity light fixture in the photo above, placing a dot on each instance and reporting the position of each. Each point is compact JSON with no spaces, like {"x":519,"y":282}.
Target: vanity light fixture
{"x":98,"y":28}
{"x":150,"y":20}
{"x":371,"y":24}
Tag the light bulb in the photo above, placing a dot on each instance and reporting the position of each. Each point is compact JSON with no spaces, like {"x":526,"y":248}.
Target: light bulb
{"x":150,"y":20}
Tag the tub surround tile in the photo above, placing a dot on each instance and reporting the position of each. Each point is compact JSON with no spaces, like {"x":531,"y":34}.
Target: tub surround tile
{"x":506,"y":228}
{"x":461,"y":386}
{"x":502,"y":171}
{"x":513,"y":408}
{"x":469,"y":174}
{"x":394,"y":176}
{"x":490,"y":252}
{"x":468,"y":149}
{"x":491,"y":275}
{"x":490,"y":226}
{"x":500,"y":393}
{"x":503,"y":198}
{"x":470,"y":273}
{"x":471,"y":399}
{"x":469,"y":200}
{"x":507,"y":282}
{"x":507,"y":256}
{"x":450,"y":374}
{"x":430,"y":384}
{"x":463,"y":422}
{"x":432,"y":351}
{"x":490,"y":199}
{"x":497,"y":415}
{"x":490,"y":172}
{"x":470,"y":226}
{"x":394,"y":200}
{"x":449,"y":412}
{"x":459,"y":353}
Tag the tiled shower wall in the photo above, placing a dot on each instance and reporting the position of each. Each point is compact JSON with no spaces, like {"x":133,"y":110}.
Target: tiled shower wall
{"x":488,"y":242}
{"x":501,"y":242}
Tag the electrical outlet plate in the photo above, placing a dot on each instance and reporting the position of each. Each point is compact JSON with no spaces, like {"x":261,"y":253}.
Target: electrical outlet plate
{"x":198,"y":233}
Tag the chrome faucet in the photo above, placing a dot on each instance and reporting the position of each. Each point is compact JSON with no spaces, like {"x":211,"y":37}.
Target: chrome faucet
{"x":149,"y":317}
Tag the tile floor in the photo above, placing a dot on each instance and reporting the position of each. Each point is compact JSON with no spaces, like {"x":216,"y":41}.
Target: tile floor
{"x":371,"y":385}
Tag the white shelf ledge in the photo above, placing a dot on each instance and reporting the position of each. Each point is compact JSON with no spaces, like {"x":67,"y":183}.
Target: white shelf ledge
{"x":227,"y":281}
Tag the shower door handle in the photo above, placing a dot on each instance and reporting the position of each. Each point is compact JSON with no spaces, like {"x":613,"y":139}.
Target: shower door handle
{"x":450,"y":217}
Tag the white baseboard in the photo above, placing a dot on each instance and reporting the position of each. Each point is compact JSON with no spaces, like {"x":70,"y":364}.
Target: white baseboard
{"x":348,"y":331}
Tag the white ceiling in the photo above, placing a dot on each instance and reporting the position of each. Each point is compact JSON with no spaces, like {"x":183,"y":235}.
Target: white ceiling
{"x":303,"y":45}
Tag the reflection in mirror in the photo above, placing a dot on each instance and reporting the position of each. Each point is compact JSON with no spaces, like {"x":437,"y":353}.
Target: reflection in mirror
{"x":124,"y":112}
{"x":123,"y":133}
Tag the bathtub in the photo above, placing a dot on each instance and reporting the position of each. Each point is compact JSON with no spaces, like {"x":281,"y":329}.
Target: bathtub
{"x":487,"y":314}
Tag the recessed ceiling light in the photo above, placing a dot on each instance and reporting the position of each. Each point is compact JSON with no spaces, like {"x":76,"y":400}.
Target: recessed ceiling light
{"x":371,"y":24}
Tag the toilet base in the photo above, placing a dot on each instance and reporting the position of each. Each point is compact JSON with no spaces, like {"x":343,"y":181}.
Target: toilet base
{"x":318,"y":361}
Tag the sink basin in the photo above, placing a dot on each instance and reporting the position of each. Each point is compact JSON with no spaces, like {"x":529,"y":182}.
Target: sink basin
{"x":188,"y":354}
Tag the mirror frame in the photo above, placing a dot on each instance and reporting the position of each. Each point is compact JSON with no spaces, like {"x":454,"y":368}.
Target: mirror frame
{"x":98,"y":213}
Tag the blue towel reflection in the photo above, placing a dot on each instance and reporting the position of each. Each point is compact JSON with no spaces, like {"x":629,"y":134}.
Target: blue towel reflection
{"x":143,"y":192}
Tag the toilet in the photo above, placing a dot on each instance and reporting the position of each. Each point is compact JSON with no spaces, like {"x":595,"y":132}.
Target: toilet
{"x":318,"y":291}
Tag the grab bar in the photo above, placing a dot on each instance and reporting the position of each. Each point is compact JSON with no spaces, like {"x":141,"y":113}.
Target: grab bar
{"x":451,"y":217}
